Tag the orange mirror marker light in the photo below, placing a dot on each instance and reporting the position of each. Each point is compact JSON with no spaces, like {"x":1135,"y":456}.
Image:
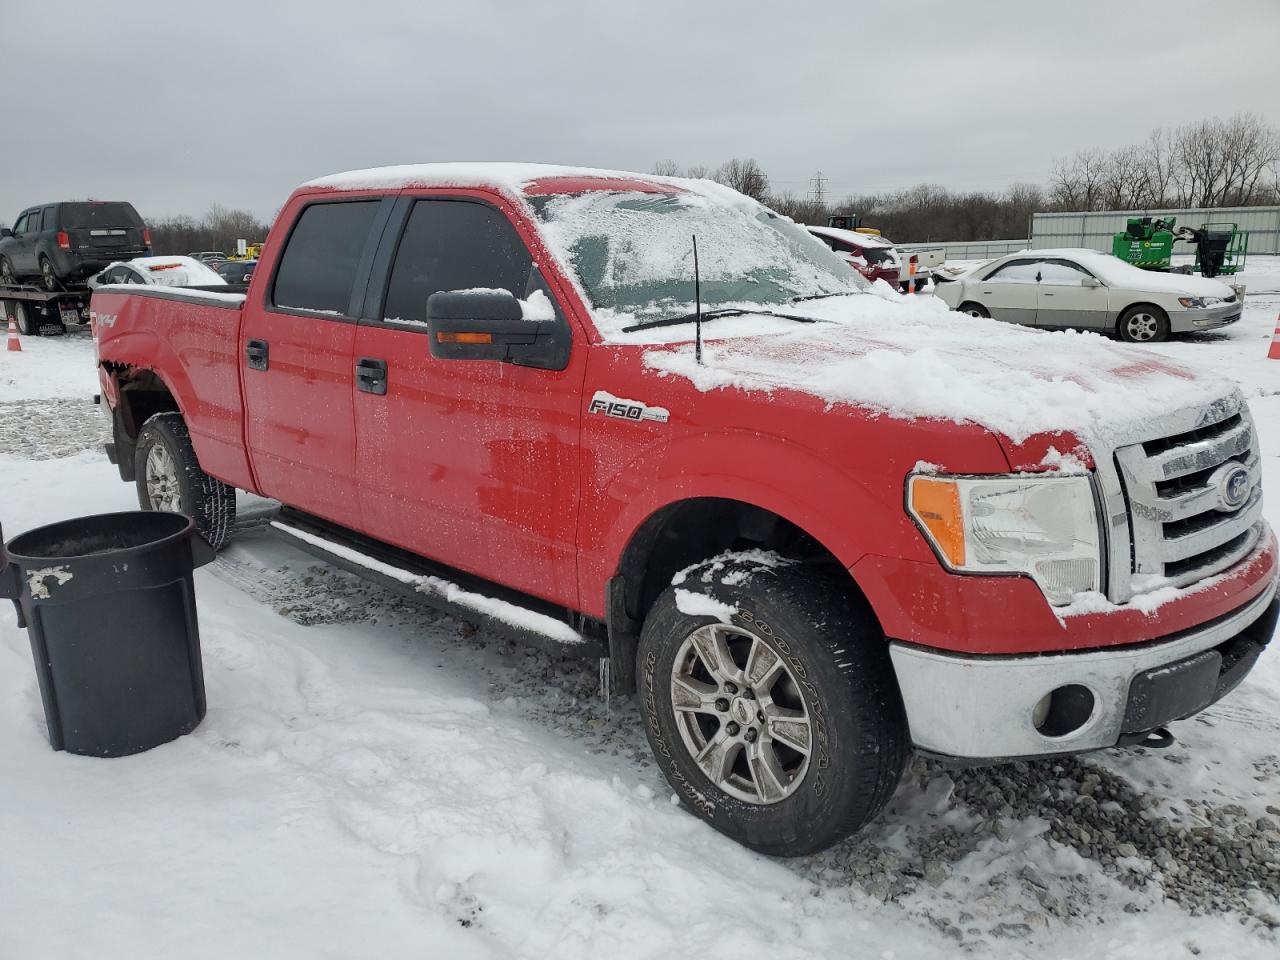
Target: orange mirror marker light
{"x":443,"y":337}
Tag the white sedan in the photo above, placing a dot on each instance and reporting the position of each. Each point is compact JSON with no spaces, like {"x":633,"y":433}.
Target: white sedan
{"x":1089,"y":290}
{"x":159,"y":271}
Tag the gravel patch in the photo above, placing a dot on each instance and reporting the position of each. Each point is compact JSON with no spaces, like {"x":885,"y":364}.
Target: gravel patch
{"x":49,"y":429}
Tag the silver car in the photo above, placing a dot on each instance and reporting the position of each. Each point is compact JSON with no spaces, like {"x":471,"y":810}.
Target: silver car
{"x":1089,"y":290}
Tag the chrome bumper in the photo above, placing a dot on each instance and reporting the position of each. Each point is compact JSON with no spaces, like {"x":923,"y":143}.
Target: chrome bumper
{"x":980,"y":708}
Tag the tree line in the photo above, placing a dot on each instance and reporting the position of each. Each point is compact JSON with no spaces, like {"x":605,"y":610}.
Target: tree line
{"x":218,"y":229}
{"x":1212,"y":163}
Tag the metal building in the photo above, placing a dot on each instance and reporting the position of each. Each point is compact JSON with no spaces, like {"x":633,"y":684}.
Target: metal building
{"x":1095,"y":229}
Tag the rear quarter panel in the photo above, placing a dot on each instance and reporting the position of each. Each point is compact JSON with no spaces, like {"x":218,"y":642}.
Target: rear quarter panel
{"x":192,"y":346}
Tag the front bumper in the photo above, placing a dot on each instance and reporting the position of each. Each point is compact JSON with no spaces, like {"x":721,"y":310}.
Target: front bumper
{"x":1209,"y":318}
{"x":981,"y":707}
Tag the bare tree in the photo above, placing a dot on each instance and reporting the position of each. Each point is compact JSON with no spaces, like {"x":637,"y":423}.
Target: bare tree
{"x":666,"y":168}
{"x":745,"y":176}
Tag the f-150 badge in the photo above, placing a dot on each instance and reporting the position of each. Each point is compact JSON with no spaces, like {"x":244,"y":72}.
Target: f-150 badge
{"x":634,"y":410}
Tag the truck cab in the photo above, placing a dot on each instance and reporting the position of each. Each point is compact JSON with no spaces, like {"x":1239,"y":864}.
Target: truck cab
{"x":814,"y":528}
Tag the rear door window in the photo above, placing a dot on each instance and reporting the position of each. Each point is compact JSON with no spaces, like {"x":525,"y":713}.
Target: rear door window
{"x":322,"y":255}
{"x":454,"y":245}
{"x":1017,"y":271}
{"x":33,"y":221}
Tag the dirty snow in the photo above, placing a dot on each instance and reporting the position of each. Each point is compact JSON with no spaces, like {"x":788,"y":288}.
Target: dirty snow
{"x":373,"y":779}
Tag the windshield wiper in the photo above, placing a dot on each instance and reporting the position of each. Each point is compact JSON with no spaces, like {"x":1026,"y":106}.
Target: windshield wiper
{"x":714,"y":314}
{"x":823,"y":296}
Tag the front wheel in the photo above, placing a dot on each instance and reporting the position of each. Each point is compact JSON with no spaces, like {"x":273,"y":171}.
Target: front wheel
{"x":770,"y":704}
{"x":974,"y":309}
{"x":1143,"y":324}
{"x":7,"y":277}
{"x":169,"y":478}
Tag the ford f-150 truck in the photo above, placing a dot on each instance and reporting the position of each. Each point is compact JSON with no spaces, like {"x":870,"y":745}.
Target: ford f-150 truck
{"x":814,"y":527}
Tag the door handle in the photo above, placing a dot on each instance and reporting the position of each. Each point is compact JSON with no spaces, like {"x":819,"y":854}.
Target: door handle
{"x":371,"y":376}
{"x":256,"y":354}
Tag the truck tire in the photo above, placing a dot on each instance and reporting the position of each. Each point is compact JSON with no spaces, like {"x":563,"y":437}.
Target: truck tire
{"x":974,"y":309}
{"x":1143,"y":323}
{"x":168,"y":477}
{"x":22,"y":319}
{"x":770,"y":703}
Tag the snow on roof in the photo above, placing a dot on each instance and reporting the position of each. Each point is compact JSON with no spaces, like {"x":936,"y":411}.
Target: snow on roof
{"x":517,"y":179}
{"x":910,"y":357}
{"x":851,"y":236}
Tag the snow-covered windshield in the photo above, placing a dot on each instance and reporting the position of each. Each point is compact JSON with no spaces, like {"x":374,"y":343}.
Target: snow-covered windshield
{"x":632,"y":252}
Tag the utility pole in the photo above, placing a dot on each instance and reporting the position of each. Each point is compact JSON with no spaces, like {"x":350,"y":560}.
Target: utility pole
{"x":817,"y":191}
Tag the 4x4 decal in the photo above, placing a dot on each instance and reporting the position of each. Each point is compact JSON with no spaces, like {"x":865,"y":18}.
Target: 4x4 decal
{"x":611,"y":406}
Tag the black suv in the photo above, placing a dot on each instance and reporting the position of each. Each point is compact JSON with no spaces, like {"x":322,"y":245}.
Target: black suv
{"x":62,"y":243}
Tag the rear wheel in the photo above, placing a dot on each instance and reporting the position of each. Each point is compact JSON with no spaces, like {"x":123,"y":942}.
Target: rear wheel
{"x":47,"y":276}
{"x":779,"y":724}
{"x":22,"y":317}
{"x":1143,"y":324}
{"x":169,"y":478}
{"x":974,"y":309}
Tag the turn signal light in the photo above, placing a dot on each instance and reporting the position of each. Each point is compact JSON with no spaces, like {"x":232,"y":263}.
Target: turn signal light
{"x":937,"y":504}
{"x":443,"y":337}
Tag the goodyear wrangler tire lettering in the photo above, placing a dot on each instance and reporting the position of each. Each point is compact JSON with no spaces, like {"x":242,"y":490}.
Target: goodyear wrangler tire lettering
{"x":822,"y":698}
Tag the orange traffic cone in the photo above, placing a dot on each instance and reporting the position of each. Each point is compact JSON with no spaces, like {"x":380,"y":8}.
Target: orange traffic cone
{"x":14,"y":343}
{"x":1274,"y":352}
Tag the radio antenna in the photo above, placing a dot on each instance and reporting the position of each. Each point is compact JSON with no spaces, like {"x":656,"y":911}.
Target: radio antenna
{"x":697,"y":304}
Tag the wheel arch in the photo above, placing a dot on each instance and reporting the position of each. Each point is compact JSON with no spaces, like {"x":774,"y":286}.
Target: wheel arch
{"x":140,"y":393}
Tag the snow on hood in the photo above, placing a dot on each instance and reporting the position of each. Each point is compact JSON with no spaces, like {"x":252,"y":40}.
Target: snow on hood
{"x":912,"y":358}
{"x":852,"y":236}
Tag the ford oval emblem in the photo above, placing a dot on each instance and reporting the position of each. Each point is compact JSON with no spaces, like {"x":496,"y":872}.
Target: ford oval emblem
{"x":1233,"y":481}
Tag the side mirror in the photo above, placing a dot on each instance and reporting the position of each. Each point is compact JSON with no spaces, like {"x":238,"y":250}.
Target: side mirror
{"x":490,"y":325}
{"x":5,"y":232}
{"x":1090,"y":282}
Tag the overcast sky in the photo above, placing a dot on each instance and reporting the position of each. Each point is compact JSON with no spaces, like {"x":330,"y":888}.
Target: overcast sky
{"x":177,"y":105}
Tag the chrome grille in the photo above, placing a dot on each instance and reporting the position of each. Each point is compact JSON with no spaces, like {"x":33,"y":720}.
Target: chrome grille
{"x":1181,"y":526}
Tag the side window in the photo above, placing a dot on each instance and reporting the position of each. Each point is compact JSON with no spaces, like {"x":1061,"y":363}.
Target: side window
{"x":50,"y":220}
{"x":1062,"y":273}
{"x":1017,"y":271}
{"x":454,"y":245}
{"x":33,"y":221}
{"x":21,"y":225}
{"x":319,"y":262}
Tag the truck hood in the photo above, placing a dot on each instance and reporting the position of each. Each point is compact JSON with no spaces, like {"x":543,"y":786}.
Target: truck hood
{"x":909,"y":357}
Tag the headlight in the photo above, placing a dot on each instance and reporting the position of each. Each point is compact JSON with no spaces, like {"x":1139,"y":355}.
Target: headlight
{"x":1199,"y":302}
{"x":1045,"y":527}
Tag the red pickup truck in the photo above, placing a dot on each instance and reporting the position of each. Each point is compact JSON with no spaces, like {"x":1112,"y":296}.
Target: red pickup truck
{"x":814,"y":527}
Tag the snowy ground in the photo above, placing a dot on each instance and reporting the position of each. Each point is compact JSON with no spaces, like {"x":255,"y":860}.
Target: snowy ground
{"x":376,"y":780}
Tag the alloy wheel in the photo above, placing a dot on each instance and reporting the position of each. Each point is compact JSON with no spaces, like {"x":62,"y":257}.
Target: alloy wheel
{"x":162,"y":481}
{"x":741,"y":714}
{"x":1142,"y":326}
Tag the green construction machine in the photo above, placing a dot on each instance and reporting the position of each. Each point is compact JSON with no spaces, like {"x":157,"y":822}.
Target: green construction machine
{"x":1147,"y":243}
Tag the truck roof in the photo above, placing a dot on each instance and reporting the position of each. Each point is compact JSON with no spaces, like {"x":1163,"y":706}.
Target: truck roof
{"x":520,"y":179}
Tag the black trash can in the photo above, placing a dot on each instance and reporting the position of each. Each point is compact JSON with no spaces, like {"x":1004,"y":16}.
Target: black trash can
{"x":109,"y":604}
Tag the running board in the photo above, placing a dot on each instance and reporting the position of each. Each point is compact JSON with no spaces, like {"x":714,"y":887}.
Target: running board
{"x":422,"y":580}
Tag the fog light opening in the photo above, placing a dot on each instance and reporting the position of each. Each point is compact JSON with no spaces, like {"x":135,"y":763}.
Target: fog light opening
{"x":1063,"y":711}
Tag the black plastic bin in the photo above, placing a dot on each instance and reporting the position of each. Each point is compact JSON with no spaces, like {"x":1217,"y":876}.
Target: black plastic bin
{"x":109,"y":604}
